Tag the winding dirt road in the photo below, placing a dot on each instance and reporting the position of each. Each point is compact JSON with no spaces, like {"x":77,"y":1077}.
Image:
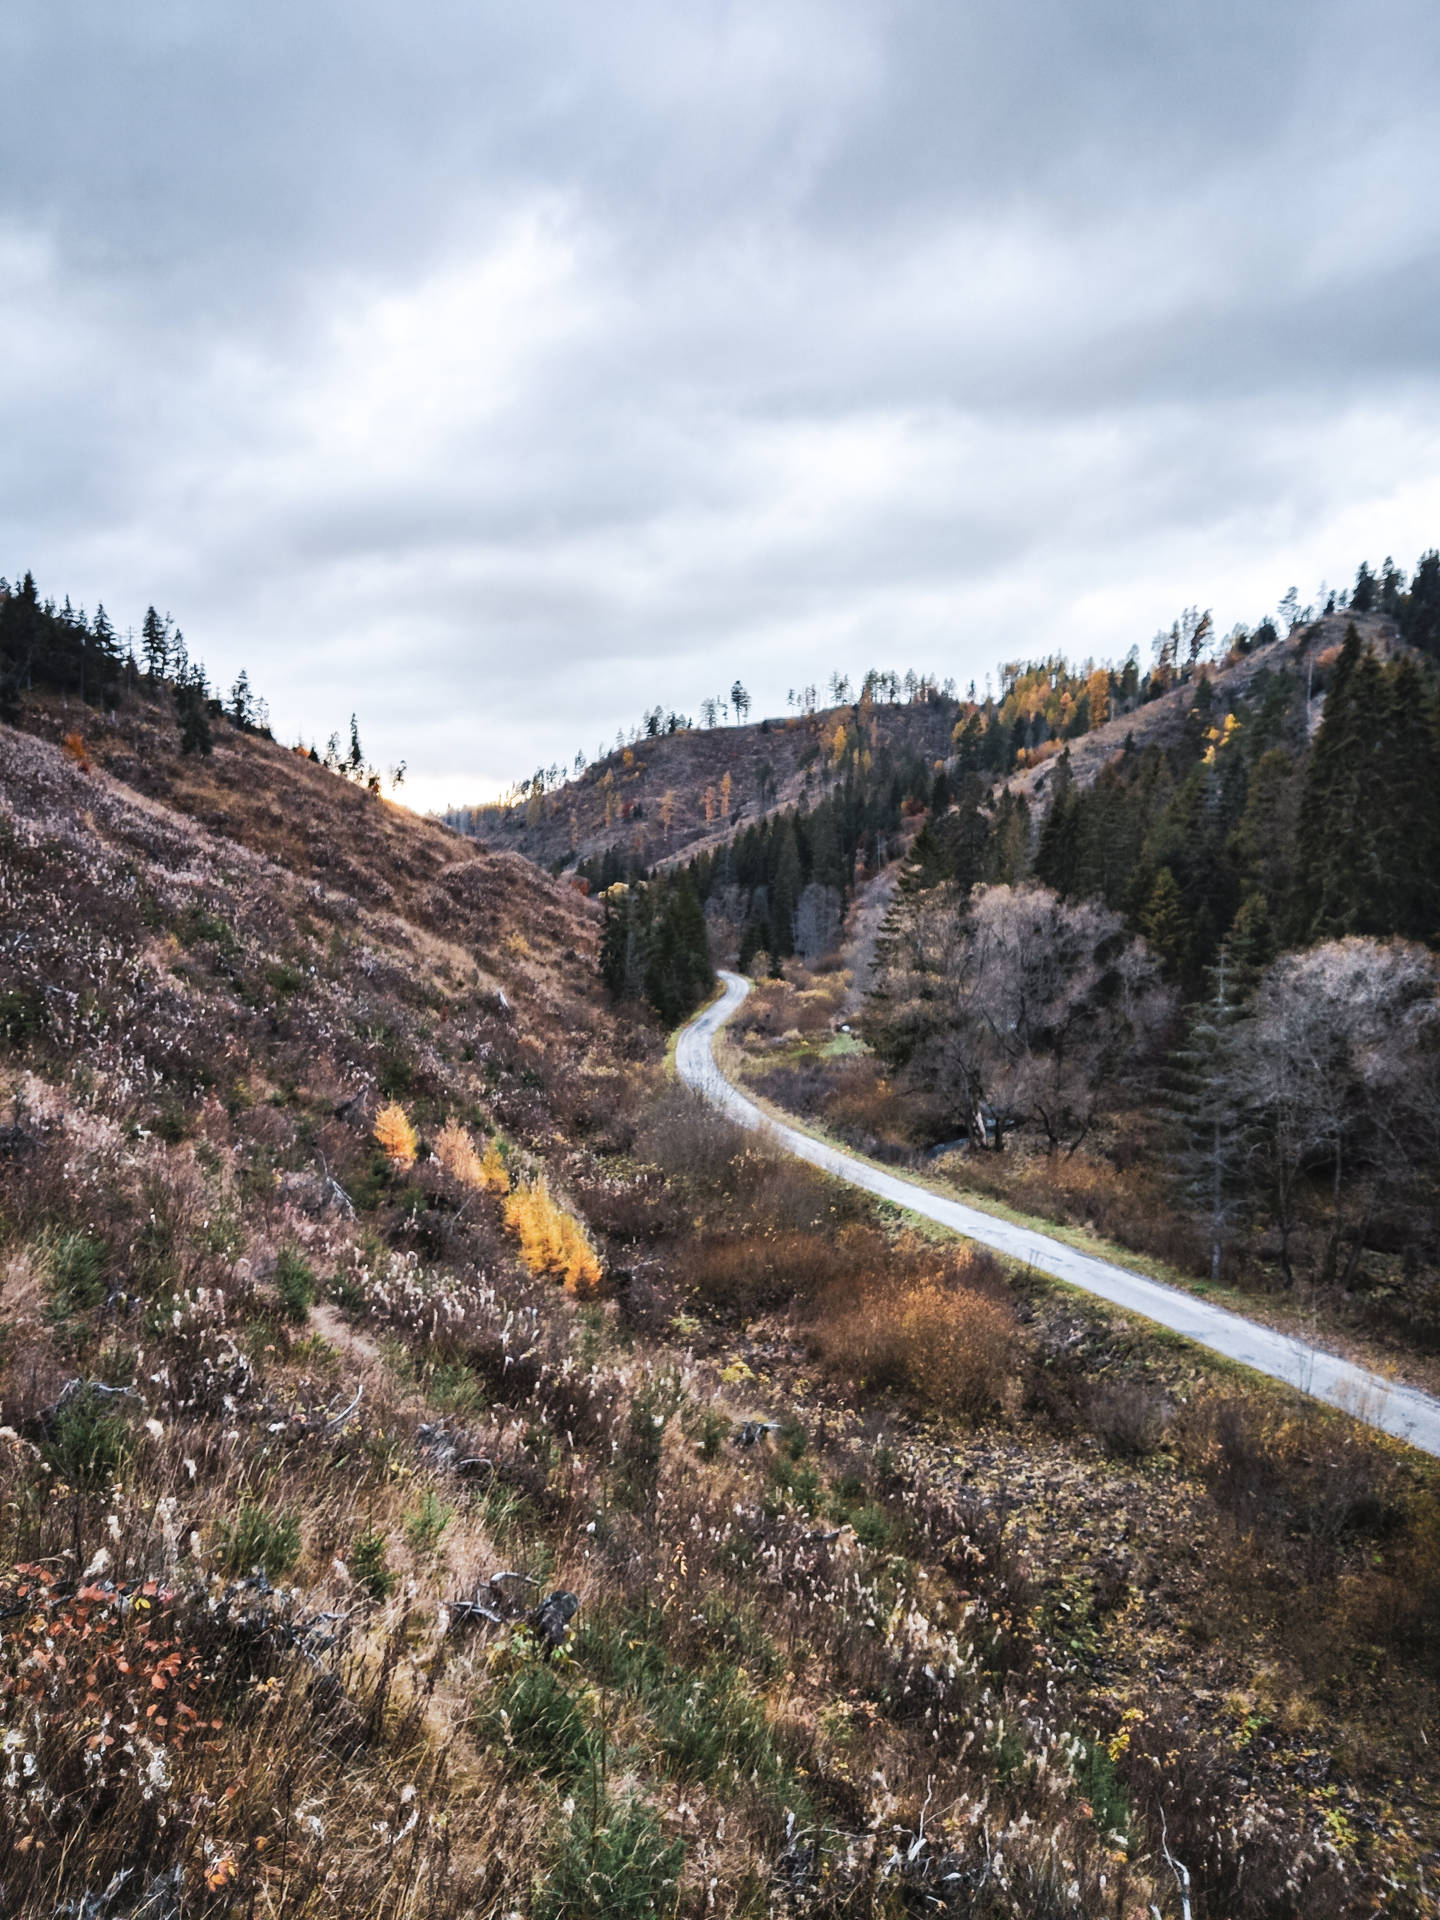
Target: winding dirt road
{"x":1400,"y":1410}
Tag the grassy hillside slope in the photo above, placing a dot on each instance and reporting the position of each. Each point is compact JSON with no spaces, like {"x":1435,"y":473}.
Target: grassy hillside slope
{"x":903,"y":1586}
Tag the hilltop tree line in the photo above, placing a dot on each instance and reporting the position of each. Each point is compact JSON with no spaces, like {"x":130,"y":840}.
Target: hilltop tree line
{"x":59,"y":649}
{"x":1035,"y":708}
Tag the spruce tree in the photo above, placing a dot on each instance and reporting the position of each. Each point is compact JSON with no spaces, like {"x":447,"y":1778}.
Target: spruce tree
{"x":1405,"y":838}
{"x":195,"y":734}
{"x":1199,"y":1103}
{"x":1056,"y":853}
{"x":615,"y":939}
{"x":1420,"y":613}
{"x":154,"y":645}
{"x":1165,"y":925}
{"x":1339,"y":884}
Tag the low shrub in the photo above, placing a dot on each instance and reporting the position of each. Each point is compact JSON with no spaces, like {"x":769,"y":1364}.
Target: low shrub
{"x":77,"y":1266}
{"x":426,"y":1522}
{"x":540,"y":1723}
{"x":1128,"y":1418}
{"x":712,"y":1725}
{"x":368,"y":1565}
{"x":89,"y":1438}
{"x":941,"y":1335}
{"x":463,"y":1161}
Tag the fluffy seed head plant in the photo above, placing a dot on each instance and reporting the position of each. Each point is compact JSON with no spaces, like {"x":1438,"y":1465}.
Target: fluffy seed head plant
{"x":395,"y":1136}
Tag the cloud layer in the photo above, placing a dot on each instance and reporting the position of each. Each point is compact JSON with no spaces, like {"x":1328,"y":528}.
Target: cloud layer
{"x":497,"y":372}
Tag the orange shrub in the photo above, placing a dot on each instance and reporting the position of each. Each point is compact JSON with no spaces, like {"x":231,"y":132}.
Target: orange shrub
{"x":952,"y":1344}
{"x":457,"y":1153}
{"x":551,"y":1240}
{"x":395,"y":1135}
{"x":74,"y":748}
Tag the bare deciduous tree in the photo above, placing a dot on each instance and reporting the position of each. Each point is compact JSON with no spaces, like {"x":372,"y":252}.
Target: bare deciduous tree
{"x":1021,"y":1009}
{"x":1335,"y":1077}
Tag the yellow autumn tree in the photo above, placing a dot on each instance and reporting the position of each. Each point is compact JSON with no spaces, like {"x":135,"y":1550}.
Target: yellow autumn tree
{"x":710,"y":803}
{"x":456,"y":1151}
{"x":551,"y":1240}
{"x":1098,"y":688}
{"x":395,"y":1136}
{"x":726,"y":788}
{"x":492,"y":1169}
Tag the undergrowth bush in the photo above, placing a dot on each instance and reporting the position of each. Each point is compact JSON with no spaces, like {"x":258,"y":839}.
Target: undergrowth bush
{"x":948,"y":1336}
{"x":89,"y":1438}
{"x":463,"y":1161}
{"x":536,"y":1718}
{"x":77,"y":1264}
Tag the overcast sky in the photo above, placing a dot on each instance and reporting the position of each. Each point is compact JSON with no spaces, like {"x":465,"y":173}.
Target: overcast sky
{"x":497,"y":370}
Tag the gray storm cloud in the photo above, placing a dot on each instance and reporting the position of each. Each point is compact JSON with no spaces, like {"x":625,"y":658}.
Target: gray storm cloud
{"x":498,"y":372}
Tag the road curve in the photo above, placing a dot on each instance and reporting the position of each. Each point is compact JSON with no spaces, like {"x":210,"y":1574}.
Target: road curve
{"x":1402,"y":1411}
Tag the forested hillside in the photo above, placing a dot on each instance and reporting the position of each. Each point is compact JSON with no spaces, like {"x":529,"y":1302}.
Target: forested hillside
{"x":1180,"y":985}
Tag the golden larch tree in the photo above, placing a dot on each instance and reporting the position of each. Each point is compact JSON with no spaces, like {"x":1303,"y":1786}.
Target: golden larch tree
{"x":395,"y":1136}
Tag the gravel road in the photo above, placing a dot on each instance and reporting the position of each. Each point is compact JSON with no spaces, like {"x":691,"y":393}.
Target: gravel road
{"x":1403,"y":1411}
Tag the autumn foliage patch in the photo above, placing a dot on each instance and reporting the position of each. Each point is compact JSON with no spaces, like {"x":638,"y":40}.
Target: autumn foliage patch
{"x":395,"y":1136}
{"x":948,"y":1336}
{"x":551,"y":1240}
{"x":462,"y":1160}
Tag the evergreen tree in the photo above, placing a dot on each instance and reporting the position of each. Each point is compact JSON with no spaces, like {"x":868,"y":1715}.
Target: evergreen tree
{"x":654,"y":943}
{"x":615,"y":939}
{"x":1251,"y":945}
{"x":1056,"y":855}
{"x":1340,"y":885}
{"x":190,"y":706}
{"x":785,"y":890}
{"x":1210,"y":1145}
{"x":1420,"y":614}
{"x":1165,"y":926}
{"x":154,"y":645}
{"x":241,"y":701}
